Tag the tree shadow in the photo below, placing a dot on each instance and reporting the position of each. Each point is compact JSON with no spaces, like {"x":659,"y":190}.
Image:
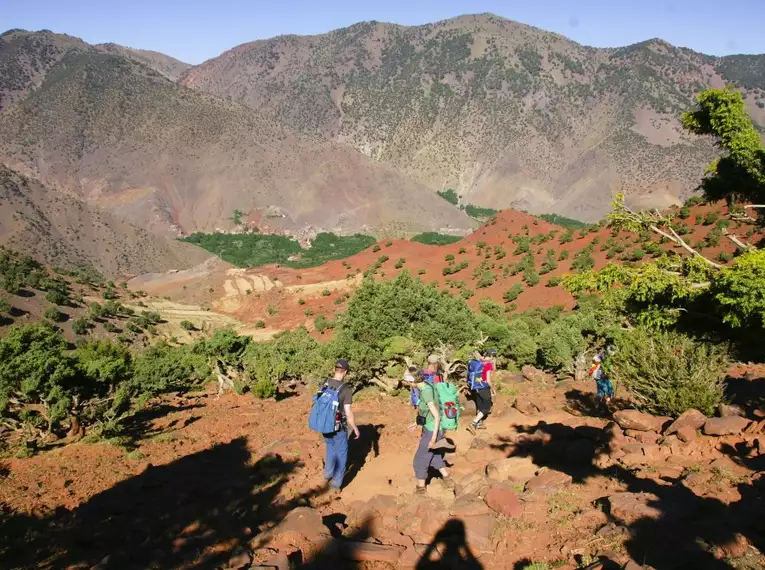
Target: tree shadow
{"x":748,"y":394}
{"x":587,"y":404}
{"x":194,"y":512}
{"x":139,"y":426}
{"x":450,"y":541}
{"x":692,"y":523}
{"x":359,"y":449}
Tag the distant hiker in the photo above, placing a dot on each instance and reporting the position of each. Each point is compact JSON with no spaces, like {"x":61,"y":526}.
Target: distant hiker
{"x":480,"y":376}
{"x":605,"y":389}
{"x":331,"y":416}
{"x":437,"y":410}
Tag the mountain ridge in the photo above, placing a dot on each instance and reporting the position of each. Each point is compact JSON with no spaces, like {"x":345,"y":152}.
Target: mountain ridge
{"x":507,"y":114}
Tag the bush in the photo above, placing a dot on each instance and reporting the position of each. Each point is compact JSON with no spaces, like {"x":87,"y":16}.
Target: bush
{"x":669,"y":373}
{"x":554,"y":281}
{"x":711,"y":218}
{"x":513,"y":293}
{"x":388,"y":243}
{"x":271,"y":310}
{"x":531,"y":277}
{"x":449,"y":257}
{"x":53,"y":314}
{"x":452,"y":269}
{"x":80,"y":326}
{"x":110,"y":294}
{"x":487,"y":280}
{"x":567,"y":237}
{"x":420,"y":271}
{"x":308,"y":312}
{"x":724,"y":257}
{"x":490,"y":308}
{"x":260,"y":324}
{"x":433,"y":238}
{"x":400,"y":263}
{"x":563,"y":255}
{"x":188,"y":326}
{"x":462,"y":250}
{"x":376,"y":248}
{"x":57,"y":297}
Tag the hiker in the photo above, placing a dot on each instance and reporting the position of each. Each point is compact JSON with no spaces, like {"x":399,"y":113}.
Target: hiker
{"x":332,"y":416}
{"x":480,"y":373}
{"x":603,"y":384}
{"x":432,"y":443}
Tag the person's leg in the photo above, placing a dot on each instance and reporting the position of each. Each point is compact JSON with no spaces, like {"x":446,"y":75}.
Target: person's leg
{"x":341,"y":458}
{"x":487,"y":403}
{"x":480,"y":404}
{"x":436,"y":461}
{"x":422,"y":458}
{"x":329,"y":457}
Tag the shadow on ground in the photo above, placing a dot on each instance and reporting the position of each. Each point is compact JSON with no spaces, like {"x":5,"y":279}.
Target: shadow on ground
{"x":687,"y":526}
{"x":194,"y":512}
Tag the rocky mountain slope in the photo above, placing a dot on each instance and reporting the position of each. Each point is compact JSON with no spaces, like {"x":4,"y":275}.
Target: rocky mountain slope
{"x":166,"y":65}
{"x":117,"y":134}
{"x":65,"y":232}
{"x":510,"y":115}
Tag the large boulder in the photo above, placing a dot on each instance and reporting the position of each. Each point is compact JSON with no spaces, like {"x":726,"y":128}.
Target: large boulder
{"x":632,"y":419}
{"x":725,"y":410}
{"x":534,"y":374}
{"x":526,"y":406}
{"x":548,"y":481}
{"x":304,"y":521}
{"x":515,"y":468}
{"x":478,"y":531}
{"x":504,"y":501}
{"x":693,"y":419}
{"x":729,"y":425}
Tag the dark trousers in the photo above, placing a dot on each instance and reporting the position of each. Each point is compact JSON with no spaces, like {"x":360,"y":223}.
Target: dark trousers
{"x":425,"y":458}
{"x":483,"y":401}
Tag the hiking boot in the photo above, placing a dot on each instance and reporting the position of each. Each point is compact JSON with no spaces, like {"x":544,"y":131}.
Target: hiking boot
{"x":480,"y":426}
{"x":420,"y":492}
{"x":471,"y":428}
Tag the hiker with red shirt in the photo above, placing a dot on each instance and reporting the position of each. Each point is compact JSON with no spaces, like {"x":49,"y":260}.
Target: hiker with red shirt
{"x":480,"y":376}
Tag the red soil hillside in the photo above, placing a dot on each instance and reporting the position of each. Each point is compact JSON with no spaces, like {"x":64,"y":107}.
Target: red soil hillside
{"x":283,"y":297}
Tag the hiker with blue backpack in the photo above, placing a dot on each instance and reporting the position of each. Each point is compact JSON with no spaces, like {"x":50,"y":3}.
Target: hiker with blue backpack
{"x":332,"y":416}
{"x":436,"y":401}
{"x":479,"y":378}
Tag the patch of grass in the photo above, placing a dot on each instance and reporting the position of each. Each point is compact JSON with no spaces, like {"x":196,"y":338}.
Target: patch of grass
{"x":254,"y":250}
{"x":434,"y":238}
{"x":559,"y":220}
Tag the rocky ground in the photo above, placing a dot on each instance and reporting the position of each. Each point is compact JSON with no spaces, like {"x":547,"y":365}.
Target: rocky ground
{"x":202,"y":482}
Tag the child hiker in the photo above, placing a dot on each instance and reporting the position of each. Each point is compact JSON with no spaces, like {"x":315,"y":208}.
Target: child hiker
{"x":605,"y":389}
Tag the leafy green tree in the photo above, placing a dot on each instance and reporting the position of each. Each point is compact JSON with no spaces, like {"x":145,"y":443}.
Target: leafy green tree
{"x":81,"y":326}
{"x":53,"y":314}
{"x":188,"y":326}
{"x":513,"y":293}
{"x":740,"y":175}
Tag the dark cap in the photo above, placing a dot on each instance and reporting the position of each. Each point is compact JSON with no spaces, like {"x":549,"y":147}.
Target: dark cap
{"x":342,"y":365}
{"x":491,"y":352}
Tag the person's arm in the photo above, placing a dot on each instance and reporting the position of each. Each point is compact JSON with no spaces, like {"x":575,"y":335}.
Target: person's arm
{"x":436,"y":422}
{"x":351,"y":420}
{"x":489,"y":374}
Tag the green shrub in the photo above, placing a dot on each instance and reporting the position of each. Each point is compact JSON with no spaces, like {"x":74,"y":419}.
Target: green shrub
{"x":530,"y":277}
{"x":400,"y":263}
{"x":554,"y":281}
{"x":711,"y":218}
{"x":563,"y":255}
{"x":110,"y":327}
{"x":322,"y":323}
{"x":513,"y":293}
{"x":724,"y":257}
{"x":388,"y":243}
{"x":449,"y":195}
{"x":308,"y":312}
{"x":80,"y":326}
{"x":669,"y":373}
{"x":261,"y":324}
{"x":462,"y":251}
{"x":188,"y":326}
{"x":490,"y":308}
{"x":433,"y":238}
{"x":567,"y":237}
{"x":271,"y":310}
{"x":53,"y":314}
{"x":452,"y":269}
{"x":487,"y":280}
{"x":301,"y":301}
{"x":110,"y":294}
{"x":376,"y":248}
{"x":57,"y":297}
{"x":449,"y":257}
{"x":420,"y":271}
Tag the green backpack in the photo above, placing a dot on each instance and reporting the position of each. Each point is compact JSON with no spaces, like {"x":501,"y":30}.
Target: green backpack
{"x":447,"y":402}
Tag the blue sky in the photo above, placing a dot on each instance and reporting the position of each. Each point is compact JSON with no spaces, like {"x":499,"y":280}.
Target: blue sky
{"x":195,"y":30}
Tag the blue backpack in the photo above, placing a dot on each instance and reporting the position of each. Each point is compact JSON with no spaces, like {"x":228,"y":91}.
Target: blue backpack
{"x":414,"y":396}
{"x":326,"y":408}
{"x":475,"y":375}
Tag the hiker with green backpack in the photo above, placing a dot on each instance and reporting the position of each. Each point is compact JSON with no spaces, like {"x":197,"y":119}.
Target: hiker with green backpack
{"x":437,"y":410}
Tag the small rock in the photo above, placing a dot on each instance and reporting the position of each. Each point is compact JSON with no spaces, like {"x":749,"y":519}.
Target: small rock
{"x":302,"y":520}
{"x":548,"y":481}
{"x":515,"y":468}
{"x":643,"y":436}
{"x":534,"y":374}
{"x":687,"y":434}
{"x":726,"y":410}
{"x":736,"y":547}
{"x":629,"y":507}
{"x":478,"y":531}
{"x":479,"y":443}
{"x":693,"y":419}
{"x":468,"y":505}
{"x":612,"y":529}
{"x":504,"y":502}
{"x":729,"y":425}
{"x":472,"y":484}
{"x":526,"y":406}
{"x":632,"y":419}
{"x":240,"y":559}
